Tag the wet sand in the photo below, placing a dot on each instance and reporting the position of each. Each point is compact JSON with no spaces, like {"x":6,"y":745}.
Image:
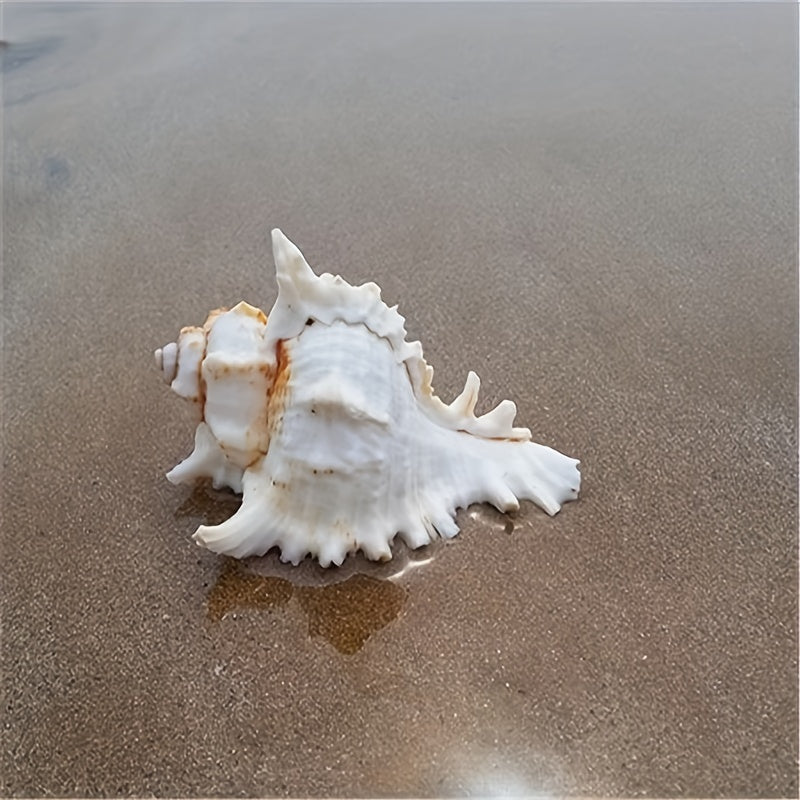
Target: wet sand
{"x":592,"y":206}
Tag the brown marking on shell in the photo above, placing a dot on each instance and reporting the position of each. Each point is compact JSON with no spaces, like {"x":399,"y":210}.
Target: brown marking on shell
{"x":212,"y":317}
{"x":200,"y":400}
{"x":190,"y":329}
{"x":257,"y":458}
{"x":278,"y":386}
{"x":221,"y":369}
{"x":251,"y":311}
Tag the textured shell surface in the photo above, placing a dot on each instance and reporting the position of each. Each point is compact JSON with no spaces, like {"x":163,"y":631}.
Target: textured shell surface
{"x":323,"y":417}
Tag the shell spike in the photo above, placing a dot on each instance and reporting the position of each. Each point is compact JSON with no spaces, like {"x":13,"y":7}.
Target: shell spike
{"x":501,"y":497}
{"x":244,"y":533}
{"x":289,"y":261}
{"x":445,"y":525}
{"x":297,"y":290}
{"x":464,"y":404}
{"x":294,"y":274}
{"x":414,"y":534}
{"x":497,"y":422}
{"x":207,"y":460}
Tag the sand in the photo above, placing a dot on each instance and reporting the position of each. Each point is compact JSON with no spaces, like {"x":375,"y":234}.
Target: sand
{"x":595,"y":207}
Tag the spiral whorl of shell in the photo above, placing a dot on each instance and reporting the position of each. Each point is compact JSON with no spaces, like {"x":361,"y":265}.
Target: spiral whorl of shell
{"x":323,"y":416}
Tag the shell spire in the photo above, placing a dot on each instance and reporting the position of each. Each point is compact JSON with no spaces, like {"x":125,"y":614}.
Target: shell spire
{"x":303,"y":295}
{"x":291,"y":267}
{"x":295,"y":282}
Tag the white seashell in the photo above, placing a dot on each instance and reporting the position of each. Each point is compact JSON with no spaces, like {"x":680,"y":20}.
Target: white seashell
{"x":324,"y":418}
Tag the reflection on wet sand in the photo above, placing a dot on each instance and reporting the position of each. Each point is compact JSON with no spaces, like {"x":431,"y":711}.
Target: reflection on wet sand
{"x":346,"y":614}
{"x":490,"y":517}
{"x":236,"y":590}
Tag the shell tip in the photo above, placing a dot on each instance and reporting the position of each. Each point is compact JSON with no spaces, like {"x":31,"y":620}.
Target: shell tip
{"x":167,"y":361}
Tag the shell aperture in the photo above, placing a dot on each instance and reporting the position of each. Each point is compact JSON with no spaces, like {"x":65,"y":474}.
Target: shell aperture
{"x":323,"y":417}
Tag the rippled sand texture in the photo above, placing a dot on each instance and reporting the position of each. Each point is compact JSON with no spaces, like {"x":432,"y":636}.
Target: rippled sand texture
{"x":594,"y":206}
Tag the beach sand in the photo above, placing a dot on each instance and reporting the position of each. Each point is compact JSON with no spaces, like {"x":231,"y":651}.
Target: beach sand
{"x":594,"y":207}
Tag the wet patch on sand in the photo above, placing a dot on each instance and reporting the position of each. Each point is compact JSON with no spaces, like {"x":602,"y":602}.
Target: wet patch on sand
{"x":17,"y":54}
{"x":56,"y":172}
{"x":345,"y":614}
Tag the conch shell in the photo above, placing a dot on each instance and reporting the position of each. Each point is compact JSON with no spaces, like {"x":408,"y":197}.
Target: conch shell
{"x":323,"y":417}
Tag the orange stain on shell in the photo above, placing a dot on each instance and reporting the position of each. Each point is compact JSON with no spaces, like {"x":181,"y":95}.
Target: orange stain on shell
{"x":279,"y":386}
